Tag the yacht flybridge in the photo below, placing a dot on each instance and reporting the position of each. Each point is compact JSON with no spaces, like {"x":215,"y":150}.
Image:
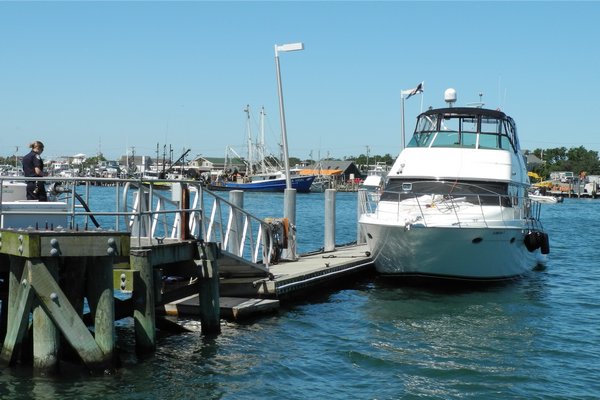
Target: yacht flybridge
{"x":455,"y":204}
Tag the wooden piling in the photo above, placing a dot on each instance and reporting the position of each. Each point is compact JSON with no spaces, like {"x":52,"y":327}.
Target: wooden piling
{"x":208,"y":296}
{"x":20,"y":300}
{"x":102,"y":304}
{"x":143,"y":300}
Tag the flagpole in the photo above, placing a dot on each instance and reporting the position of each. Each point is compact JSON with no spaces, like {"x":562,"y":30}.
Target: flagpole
{"x":408,"y":93}
{"x":402,"y":120}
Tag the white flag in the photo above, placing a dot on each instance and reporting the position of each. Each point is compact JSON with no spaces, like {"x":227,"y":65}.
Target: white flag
{"x":412,"y":92}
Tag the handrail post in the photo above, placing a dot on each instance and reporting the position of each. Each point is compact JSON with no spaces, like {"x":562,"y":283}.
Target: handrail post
{"x":236,"y":197}
{"x":184,"y":227}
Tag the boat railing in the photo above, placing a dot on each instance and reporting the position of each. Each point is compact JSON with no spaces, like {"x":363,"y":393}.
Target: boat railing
{"x":459,"y":210}
{"x":152,"y":210}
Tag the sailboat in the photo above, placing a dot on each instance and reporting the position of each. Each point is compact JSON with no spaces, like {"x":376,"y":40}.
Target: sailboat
{"x":262,"y":175}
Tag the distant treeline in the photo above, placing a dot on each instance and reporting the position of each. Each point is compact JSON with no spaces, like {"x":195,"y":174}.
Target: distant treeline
{"x":575,"y":159}
{"x":361,"y":160}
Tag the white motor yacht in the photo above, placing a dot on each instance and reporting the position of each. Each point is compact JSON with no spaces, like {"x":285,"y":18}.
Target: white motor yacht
{"x":455,"y":204}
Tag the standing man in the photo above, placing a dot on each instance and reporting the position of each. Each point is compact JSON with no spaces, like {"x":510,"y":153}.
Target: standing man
{"x":34,"y":166}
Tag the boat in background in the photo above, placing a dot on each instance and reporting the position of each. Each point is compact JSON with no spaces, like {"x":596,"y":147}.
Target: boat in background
{"x":263,"y":174}
{"x":264,"y":182}
{"x":375,"y":181}
{"x":375,"y":176}
{"x":18,"y":212}
{"x":455,"y":205}
{"x":540,"y":198}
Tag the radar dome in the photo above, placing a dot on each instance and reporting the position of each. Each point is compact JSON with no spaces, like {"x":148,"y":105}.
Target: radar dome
{"x":450,"y":96}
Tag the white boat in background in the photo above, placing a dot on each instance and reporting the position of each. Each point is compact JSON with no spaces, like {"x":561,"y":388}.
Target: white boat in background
{"x":374,"y":181}
{"x":18,"y":212}
{"x":455,"y":204}
{"x":375,"y":176}
{"x":540,"y":198}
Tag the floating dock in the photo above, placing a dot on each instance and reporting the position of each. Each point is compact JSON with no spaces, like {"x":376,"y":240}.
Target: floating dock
{"x":248,"y":296}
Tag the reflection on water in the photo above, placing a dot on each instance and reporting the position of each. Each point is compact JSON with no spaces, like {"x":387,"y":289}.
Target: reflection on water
{"x":483,"y":336}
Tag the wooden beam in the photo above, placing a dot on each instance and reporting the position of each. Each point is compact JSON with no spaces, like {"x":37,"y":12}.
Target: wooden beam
{"x":66,"y":318}
{"x":46,"y":337}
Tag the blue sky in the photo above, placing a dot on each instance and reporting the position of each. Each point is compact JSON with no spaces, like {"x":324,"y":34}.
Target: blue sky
{"x":109,"y":76}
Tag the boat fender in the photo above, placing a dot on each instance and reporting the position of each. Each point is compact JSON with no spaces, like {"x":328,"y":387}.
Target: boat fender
{"x":545,"y":245}
{"x":532,"y":240}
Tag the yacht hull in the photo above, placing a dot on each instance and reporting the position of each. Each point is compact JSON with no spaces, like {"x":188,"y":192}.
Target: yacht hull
{"x":473,"y":254}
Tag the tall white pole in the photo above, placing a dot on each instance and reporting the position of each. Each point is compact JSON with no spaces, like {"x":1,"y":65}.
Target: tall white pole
{"x":286,"y":155}
{"x":289,"y":195}
{"x":286,"y":160}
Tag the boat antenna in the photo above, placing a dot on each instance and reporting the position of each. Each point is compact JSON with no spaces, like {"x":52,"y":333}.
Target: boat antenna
{"x":480,"y":104}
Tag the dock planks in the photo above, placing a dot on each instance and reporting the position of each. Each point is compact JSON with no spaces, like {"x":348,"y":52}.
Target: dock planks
{"x":243,"y":296}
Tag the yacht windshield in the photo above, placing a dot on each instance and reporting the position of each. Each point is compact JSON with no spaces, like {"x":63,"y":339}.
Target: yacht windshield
{"x":476,"y":192}
{"x":465,"y":127}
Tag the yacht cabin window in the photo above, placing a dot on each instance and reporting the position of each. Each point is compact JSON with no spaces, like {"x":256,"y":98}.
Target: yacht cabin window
{"x":478,"y":130}
{"x":476,"y":192}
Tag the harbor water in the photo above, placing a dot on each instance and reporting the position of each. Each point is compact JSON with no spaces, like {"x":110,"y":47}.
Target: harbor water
{"x":534,"y":338}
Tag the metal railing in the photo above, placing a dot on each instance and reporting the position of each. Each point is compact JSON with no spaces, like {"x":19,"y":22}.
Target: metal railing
{"x":458,"y":210}
{"x":152,"y":210}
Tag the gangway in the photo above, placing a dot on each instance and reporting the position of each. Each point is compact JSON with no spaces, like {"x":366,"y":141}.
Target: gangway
{"x":153,"y":211}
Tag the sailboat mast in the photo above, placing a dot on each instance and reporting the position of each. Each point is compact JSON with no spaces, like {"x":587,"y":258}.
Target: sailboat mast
{"x":262,"y":141}
{"x":249,"y":132}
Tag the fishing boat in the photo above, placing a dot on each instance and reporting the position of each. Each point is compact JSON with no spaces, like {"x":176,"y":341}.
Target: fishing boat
{"x":263,"y":173}
{"x":263,"y":182}
{"x":455,"y":205}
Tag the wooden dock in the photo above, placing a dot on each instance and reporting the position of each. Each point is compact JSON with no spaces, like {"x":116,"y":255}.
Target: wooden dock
{"x":59,"y":284}
{"x":248,"y":296}
{"x":48,"y":274}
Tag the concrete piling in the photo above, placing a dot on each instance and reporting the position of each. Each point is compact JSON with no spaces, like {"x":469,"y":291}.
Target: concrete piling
{"x":329,"y":219}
